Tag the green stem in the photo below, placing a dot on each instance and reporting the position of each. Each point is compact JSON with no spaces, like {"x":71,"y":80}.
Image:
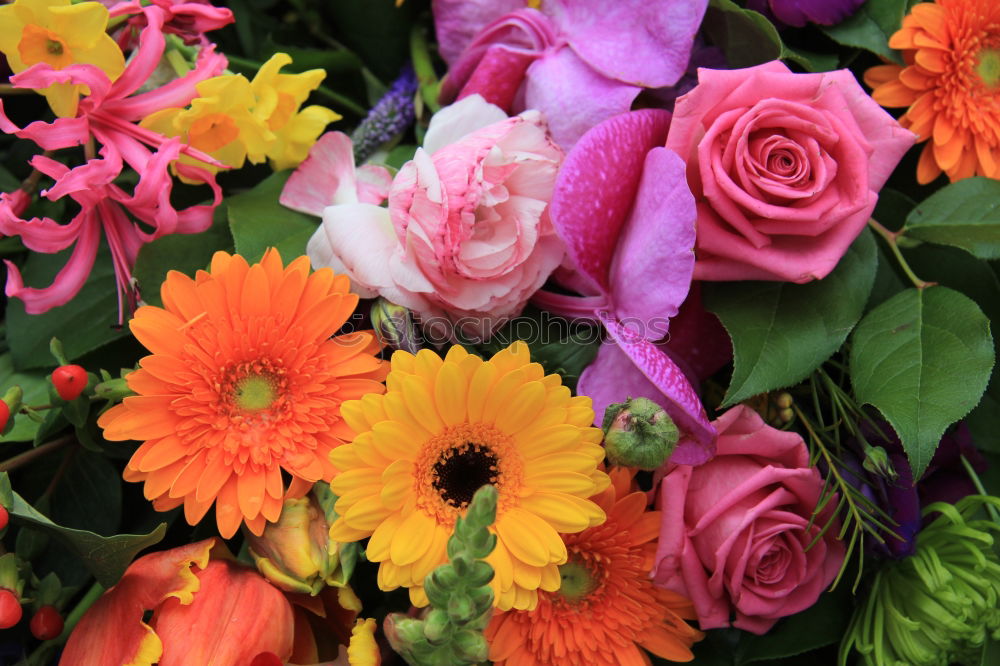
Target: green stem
{"x":22,"y":459}
{"x":322,"y":91}
{"x":890,"y":238}
{"x":423,"y":67}
{"x":8,"y":89}
{"x":992,"y":510}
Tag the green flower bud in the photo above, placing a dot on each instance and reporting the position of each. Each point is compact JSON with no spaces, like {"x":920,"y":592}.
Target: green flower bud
{"x":296,"y":554}
{"x":436,"y":626}
{"x":471,"y":646}
{"x":877,"y":462}
{"x":638,"y":433}
{"x":394,"y":326}
{"x":13,"y":571}
{"x":113,"y":390}
{"x":460,"y":608}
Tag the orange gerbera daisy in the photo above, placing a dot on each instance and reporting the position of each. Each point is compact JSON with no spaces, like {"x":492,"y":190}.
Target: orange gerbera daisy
{"x":607,"y":606}
{"x":951,"y":85}
{"x":244,"y":383}
{"x":446,"y":427}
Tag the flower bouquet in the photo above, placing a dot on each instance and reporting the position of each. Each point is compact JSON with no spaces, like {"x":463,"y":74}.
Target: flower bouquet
{"x":523,"y":332}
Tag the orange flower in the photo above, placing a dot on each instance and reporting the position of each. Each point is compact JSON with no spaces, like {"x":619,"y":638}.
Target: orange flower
{"x":607,"y":606}
{"x":244,"y":383}
{"x":951,"y":85}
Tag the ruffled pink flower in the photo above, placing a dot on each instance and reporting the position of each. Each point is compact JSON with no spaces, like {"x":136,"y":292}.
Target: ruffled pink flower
{"x":189,"y":20}
{"x":624,"y":211}
{"x":109,"y":114}
{"x":577,"y":61}
{"x":466,"y":239}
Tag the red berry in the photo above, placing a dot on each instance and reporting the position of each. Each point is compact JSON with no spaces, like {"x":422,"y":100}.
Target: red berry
{"x":267,"y":659}
{"x":4,"y":414}
{"x":4,"y":517}
{"x":46,"y":624}
{"x":10,"y":609}
{"x":69,"y":380}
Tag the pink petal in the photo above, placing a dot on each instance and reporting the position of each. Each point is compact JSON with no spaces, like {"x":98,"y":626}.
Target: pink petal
{"x":643,"y":42}
{"x":597,"y":185}
{"x":373,"y":183}
{"x":60,"y":133}
{"x":497,"y":77}
{"x":42,"y":75}
{"x":146,"y":57}
{"x":325,"y":178}
{"x":358,"y":240}
{"x":456,"y":121}
{"x":653,"y":263}
{"x":176,"y":93}
{"x":633,"y":367}
{"x":573,"y":96}
{"x":69,"y":280}
{"x":457,"y":22}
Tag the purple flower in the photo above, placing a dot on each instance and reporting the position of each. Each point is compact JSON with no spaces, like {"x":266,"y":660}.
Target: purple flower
{"x":390,"y":116}
{"x":798,"y":12}
{"x":945,"y":480}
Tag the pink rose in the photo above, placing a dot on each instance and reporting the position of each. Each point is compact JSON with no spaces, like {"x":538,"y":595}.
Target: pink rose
{"x":785,"y":167}
{"x":735,"y":530}
{"x":466,"y":239}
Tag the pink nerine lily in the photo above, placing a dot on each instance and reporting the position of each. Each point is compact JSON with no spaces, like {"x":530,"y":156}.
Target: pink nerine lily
{"x":109,"y":114}
{"x":626,"y":215}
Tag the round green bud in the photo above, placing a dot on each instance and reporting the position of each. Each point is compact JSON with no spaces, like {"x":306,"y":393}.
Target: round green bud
{"x":638,"y":433}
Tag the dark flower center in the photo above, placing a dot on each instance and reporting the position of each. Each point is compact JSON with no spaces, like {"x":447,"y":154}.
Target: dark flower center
{"x":463,"y":470}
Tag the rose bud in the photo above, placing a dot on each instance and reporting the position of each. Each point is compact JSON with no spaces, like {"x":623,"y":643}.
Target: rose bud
{"x":638,"y":433}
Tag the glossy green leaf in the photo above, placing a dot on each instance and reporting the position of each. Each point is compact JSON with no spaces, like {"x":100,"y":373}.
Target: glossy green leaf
{"x":87,"y":322}
{"x":965,"y":214}
{"x":923,"y":358}
{"x":821,"y":624}
{"x":257,"y":222}
{"x":36,"y":392}
{"x":745,"y":36}
{"x":782,"y":331}
{"x":105,"y":557}
{"x":871,"y":26}
{"x":89,"y":495}
{"x":180,"y":252}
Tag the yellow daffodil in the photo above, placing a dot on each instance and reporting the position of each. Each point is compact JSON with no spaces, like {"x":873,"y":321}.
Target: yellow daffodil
{"x":60,"y":34}
{"x":279,"y":97}
{"x":219,"y":122}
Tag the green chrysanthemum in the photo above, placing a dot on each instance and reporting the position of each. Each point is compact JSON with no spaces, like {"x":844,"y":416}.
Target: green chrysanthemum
{"x":936,"y":607}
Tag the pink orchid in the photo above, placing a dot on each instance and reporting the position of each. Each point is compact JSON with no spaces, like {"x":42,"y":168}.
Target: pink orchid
{"x":109,"y":114}
{"x":578,"y":61}
{"x":623,"y":208}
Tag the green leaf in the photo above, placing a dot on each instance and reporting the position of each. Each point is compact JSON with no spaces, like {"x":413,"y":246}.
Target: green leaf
{"x":745,"y":36}
{"x":87,"y":322}
{"x":965,"y":214}
{"x":36,"y":391}
{"x":180,"y":252}
{"x":257,"y":222}
{"x":821,"y":624}
{"x":782,"y":331}
{"x":105,"y":557}
{"x":923,"y":358}
{"x":811,"y":61}
{"x":89,"y":495}
{"x":871,"y":27}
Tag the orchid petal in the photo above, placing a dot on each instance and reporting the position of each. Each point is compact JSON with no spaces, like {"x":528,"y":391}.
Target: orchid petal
{"x":457,"y":22}
{"x":597,"y":185}
{"x":643,"y":42}
{"x":573,"y":96}
{"x":653,"y":263}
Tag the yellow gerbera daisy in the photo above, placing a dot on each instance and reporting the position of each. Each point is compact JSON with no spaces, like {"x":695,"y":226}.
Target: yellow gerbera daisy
{"x":443,"y":429}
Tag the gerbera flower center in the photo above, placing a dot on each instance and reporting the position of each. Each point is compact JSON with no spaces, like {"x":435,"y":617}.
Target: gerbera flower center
{"x":254,"y":392}
{"x":461,"y":471}
{"x":459,"y":460}
{"x":257,"y":389}
{"x":578,"y":581}
{"x":988,"y":67}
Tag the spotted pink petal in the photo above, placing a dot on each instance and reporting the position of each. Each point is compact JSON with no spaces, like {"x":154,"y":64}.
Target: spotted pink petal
{"x":643,"y":42}
{"x":627,"y":366}
{"x":597,"y":186}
